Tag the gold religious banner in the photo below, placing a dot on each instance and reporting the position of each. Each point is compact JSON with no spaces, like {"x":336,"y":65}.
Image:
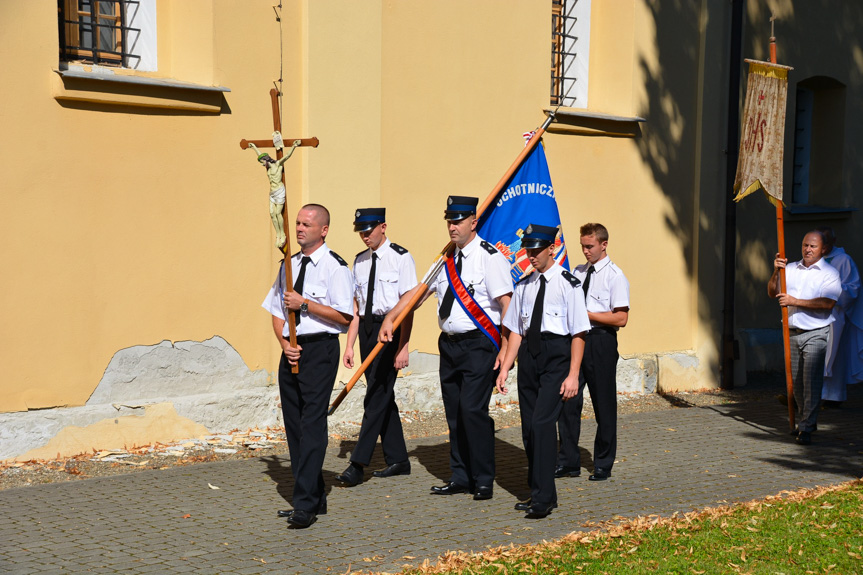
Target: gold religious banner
{"x":762,"y":139}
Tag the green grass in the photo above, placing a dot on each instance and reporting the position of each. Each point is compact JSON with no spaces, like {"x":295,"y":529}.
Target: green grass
{"x":811,"y":531}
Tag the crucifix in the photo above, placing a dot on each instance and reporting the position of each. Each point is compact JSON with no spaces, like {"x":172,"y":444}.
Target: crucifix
{"x":277,"y":196}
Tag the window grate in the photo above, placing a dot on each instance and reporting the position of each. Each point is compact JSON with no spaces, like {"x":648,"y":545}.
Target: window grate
{"x":563,"y":52}
{"x":95,"y":31}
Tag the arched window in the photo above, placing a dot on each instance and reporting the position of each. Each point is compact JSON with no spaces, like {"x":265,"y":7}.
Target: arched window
{"x":819,"y":134}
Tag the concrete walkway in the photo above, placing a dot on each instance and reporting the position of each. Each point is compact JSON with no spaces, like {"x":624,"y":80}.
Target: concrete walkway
{"x":171,"y":522}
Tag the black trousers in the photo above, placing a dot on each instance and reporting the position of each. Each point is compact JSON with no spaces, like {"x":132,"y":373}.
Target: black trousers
{"x":381,"y":414}
{"x":540,"y":402}
{"x":467,"y":380}
{"x":599,"y":372}
{"x":305,"y":400}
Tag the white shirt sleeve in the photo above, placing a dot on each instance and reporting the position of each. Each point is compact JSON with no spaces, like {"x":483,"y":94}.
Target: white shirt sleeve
{"x":407,"y":274}
{"x":498,"y":278}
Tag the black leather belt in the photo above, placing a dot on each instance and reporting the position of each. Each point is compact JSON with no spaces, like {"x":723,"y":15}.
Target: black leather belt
{"x":472,"y":334}
{"x":547,"y":335}
{"x":375,"y":317}
{"x":798,"y":331}
{"x":595,"y":329}
{"x":312,"y":337}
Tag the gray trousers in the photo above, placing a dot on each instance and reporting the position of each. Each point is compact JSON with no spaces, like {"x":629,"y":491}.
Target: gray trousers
{"x":808,"y":350}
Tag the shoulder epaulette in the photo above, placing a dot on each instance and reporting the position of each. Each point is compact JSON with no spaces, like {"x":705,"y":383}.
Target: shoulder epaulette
{"x":573,"y":281}
{"x":488,"y":247}
{"x":338,"y":258}
{"x":359,"y":254}
{"x":399,"y":250}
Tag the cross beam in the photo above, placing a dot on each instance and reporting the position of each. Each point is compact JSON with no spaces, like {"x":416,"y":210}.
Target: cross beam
{"x":307,"y":142}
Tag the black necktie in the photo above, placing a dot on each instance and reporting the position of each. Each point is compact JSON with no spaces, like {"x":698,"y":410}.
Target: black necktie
{"x":298,"y":285}
{"x":535,"y":329}
{"x":586,"y":285}
{"x":448,"y":298}
{"x":367,"y":320}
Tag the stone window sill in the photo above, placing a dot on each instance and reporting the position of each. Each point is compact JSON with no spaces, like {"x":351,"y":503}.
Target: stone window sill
{"x":583,"y":123}
{"x":108,"y":87}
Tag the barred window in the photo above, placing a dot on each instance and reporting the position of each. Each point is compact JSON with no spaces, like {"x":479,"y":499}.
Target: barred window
{"x":98,"y":32}
{"x":570,"y":52}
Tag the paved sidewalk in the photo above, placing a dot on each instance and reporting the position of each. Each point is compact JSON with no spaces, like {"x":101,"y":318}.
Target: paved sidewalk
{"x":171,"y":522}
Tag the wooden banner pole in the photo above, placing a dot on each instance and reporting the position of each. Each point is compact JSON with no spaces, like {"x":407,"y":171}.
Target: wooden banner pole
{"x":780,"y":233}
{"x":420,"y":290}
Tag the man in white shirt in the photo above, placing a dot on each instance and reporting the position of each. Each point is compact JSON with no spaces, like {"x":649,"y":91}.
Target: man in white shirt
{"x":472,"y":297}
{"x":547,"y":322}
{"x":606,"y":294}
{"x":382,"y":274}
{"x":322,"y":303}
{"x":812,"y":289}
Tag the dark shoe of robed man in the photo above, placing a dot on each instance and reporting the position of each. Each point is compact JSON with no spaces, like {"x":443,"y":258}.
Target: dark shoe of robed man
{"x":525,"y":505}
{"x":795,"y":432}
{"x":484,"y":492}
{"x":600,"y":474}
{"x":400,"y":468}
{"x":301,"y":519}
{"x":322,"y":509}
{"x":566,"y":471}
{"x":804,"y":438}
{"x":449,"y":489}
{"x":351,"y":476}
{"x":539,"y":510}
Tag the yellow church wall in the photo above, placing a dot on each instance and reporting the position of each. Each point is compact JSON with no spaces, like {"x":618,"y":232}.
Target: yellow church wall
{"x":132,"y":226}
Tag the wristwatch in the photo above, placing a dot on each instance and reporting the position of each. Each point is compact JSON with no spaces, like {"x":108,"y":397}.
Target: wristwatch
{"x":304,"y":307}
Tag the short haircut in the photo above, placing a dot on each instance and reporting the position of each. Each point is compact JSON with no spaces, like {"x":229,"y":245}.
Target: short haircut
{"x":597,"y":230}
{"x":321,"y":212}
{"x":819,"y":233}
{"x":827,"y":234}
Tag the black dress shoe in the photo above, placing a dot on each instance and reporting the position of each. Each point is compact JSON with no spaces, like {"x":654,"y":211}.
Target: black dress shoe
{"x":449,"y":489}
{"x":484,"y":492}
{"x":600,"y":474}
{"x":400,"y":468}
{"x":538,"y":511}
{"x":351,"y":476}
{"x":301,"y":519}
{"x":566,"y":471}
{"x":322,"y":509}
{"x":525,"y":505}
{"x":804,"y":438}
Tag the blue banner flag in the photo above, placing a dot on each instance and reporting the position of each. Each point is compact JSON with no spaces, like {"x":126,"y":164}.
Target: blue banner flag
{"x":528,"y":198}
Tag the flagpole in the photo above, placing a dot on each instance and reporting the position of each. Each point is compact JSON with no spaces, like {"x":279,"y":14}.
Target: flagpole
{"x":780,"y":233}
{"x":420,"y":291}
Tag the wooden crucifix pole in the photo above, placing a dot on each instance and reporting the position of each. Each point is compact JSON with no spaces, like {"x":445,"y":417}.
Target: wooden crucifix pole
{"x":309,"y":142}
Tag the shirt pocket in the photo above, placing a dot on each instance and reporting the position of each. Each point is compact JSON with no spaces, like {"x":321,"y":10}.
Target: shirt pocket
{"x":599,"y":302}
{"x":473,"y":282}
{"x":389,"y":284}
{"x":316,"y":292}
{"x":525,"y":321}
{"x":554,"y":321}
{"x":360,"y":290}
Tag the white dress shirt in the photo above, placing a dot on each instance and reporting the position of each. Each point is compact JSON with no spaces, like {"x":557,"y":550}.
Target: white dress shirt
{"x":395,"y":275}
{"x":327,"y":282}
{"x":608,"y":289}
{"x":484,"y":272}
{"x":563,"y":311}
{"x":818,"y":280}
